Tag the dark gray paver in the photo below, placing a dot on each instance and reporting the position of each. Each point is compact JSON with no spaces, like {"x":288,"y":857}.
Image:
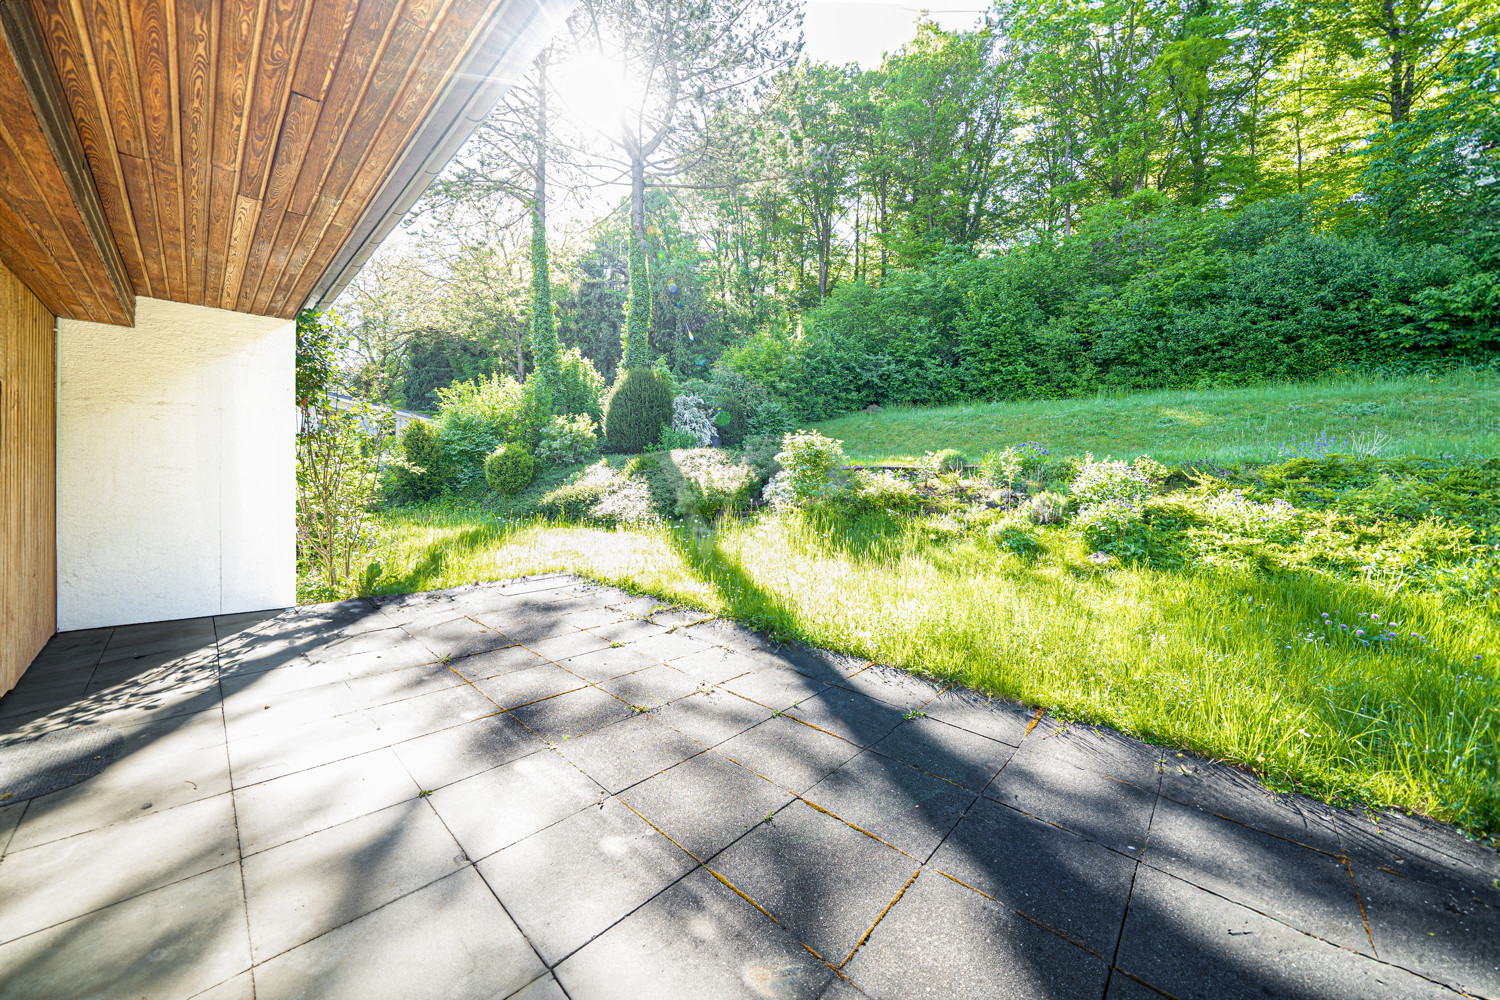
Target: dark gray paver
{"x":822,"y":880}
{"x":570,"y":882}
{"x":309,"y":802}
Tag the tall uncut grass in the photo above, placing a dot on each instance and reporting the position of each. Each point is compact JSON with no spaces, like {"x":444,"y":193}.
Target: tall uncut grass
{"x":1453,"y":414}
{"x":1227,"y":664}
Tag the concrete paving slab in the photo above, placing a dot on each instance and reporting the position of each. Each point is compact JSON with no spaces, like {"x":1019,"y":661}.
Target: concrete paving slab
{"x":825,"y":882}
{"x":698,"y":939}
{"x":1192,"y":944}
{"x":706,"y":802}
{"x":628,"y":752}
{"x":360,"y":885}
{"x":306,"y":887}
{"x":942,"y":940}
{"x":571,"y":881}
{"x":575,"y":643}
{"x":450,"y":939}
{"x":498,"y":807}
{"x":1308,"y":890}
{"x":274,"y":812}
{"x":1072,"y":885}
{"x":457,"y":752}
{"x":793,"y":755}
{"x":175,"y":942}
{"x":64,"y":879}
{"x":908,"y":809}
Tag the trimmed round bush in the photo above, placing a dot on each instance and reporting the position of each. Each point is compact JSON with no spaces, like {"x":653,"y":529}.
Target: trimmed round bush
{"x":638,"y":407}
{"x":422,"y":473}
{"x":510,"y":469}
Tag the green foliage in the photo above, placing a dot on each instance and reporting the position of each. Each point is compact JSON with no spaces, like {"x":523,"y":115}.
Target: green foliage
{"x":712,"y":484}
{"x":635,"y":348}
{"x":878,"y":493}
{"x":675,"y":438}
{"x":759,"y":452}
{"x":510,"y":469}
{"x":577,"y":388}
{"x":690,"y":417}
{"x":423,"y":468}
{"x":543,"y":330}
{"x":1116,"y":484}
{"x":810,"y":475}
{"x":568,"y":441}
{"x":320,"y":337}
{"x":1017,"y":538}
{"x":639,"y":406}
{"x":946,"y":460}
{"x":475,"y":418}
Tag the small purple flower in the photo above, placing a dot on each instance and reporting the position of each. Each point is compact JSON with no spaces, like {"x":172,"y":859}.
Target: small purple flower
{"x":1359,"y":631}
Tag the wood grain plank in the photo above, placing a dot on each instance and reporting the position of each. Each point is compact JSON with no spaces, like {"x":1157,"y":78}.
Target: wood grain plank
{"x":246,"y":215}
{"x":20,"y":251}
{"x":281,"y":37}
{"x":239,"y":38}
{"x":78,"y":74}
{"x":196,"y":37}
{"x":153,"y":57}
{"x":327,"y":30}
{"x":291,"y":146}
{"x":309,"y":235}
{"x":366,"y":41}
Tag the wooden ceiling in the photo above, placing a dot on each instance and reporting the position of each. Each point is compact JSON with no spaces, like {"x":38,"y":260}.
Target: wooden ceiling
{"x":234,"y":145}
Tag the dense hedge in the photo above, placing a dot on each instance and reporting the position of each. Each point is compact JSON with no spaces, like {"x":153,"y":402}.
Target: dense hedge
{"x":1145,"y":295}
{"x":638,"y":407}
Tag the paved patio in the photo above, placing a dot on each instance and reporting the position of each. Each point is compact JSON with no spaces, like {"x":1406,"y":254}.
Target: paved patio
{"x":532,"y":790}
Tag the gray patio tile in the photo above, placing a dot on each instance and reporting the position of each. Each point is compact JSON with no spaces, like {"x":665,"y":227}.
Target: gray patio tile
{"x":1308,"y":890}
{"x":652,"y":687}
{"x":1094,"y":748}
{"x":570,"y":882}
{"x":1194,"y":945}
{"x":10,"y":818}
{"x":545,"y":988}
{"x":734,"y":952}
{"x":399,"y":685}
{"x":507,"y":659}
{"x":67,"y":878}
{"x":372,"y":652}
{"x":449,"y":755}
{"x":774,"y":686}
{"x":855,"y":717}
{"x":842,"y":989}
{"x":496,"y":808}
{"x":181,"y":636}
{"x":138,"y":704}
{"x":576,"y":643}
{"x":1067,"y":883}
{"x":942,"y":940}
{"x":713,"y":665}
{"x":596,"y":614}
{"x":252,"y":711}
{"x":958,"y":755}
{"x":450,"y":939}
{"x":572,"y":714}
{"x":791,"y":754}
{"x":995,"y":718}
{"x":405,"y":720}
{"x":297,"y":674}
{"x":46,"y":695}
{"x":240,"y":987}
{"x":667,"y":647}
{"x":174,"y":942}
{"x":1419,"y":849}
{"x":160,"y":766}
{"x":528,"y":624}
{"x":1099,"y":808}
{"x":628,"y":752}
{"x":1122,"y":987}
{"x":293,"y":806}
{"x":249,"y":655}
{"x":1440,"y":933}
{"x":706,"y":802}
{"x":825,"y":882}
{"x":603,"y":663}
{"x":712,"y":717}
{"x":721,"y":632}
{"x":908,"y":809}
{"x":306,"y":887}
{"x":522,"y":687}
{"x":824,"y":664}
{"x":630,"y":629}
{"x":905,"y":691}
{"x":1236,"y":795}
{"x":297,"y":748}
{"x":459,"y":637}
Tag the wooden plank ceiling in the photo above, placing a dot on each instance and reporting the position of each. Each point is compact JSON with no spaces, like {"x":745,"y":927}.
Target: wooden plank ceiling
{"x":236,"y":144}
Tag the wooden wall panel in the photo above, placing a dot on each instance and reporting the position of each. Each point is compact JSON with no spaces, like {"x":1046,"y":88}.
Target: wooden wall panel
{"x":28,"y":511}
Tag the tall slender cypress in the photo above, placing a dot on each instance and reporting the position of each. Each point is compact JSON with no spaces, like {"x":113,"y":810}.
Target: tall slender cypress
{"x":543,"y":331}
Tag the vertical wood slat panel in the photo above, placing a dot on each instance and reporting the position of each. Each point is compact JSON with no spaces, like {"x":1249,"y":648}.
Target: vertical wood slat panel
{"x":28,"y":524}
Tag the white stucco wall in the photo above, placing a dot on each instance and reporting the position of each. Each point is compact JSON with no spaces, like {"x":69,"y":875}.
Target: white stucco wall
{"x":175,"y":466}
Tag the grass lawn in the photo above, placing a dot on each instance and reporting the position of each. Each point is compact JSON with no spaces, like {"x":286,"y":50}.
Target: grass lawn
{"x":1453,"y":414}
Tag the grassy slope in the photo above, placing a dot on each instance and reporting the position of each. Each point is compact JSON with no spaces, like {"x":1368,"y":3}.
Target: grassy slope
{"x":1454,"y":414}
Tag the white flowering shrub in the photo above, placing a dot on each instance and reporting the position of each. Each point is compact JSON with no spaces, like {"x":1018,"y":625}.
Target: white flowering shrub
{"x":812,"y":464}
{"x":1118,"y":484}
{"x":568,"y":441}
{"x":1047,"y":508}
{"x":690,"y":416}
{"x":778,"y":492}
{"x":712,"y":484}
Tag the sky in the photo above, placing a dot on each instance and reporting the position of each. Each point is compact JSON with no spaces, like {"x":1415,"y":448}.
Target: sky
{"x":840,"y":31}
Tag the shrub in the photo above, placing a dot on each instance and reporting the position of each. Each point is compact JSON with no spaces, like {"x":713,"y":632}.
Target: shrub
{"x":575,"y":500}
{"x":690,"y":416}
{"x":673,"y":439}
{"x":580,"y":387}
{"x":1047,"y":508}
{"x":1107,"y":482}
{"x":1016,"y":537}
{"x":474,"y":418}
{"x":1000,"y":468}
{"x":732,"y":421}
{"x":712,"y":483}
{"x":568,"y":441}
{"x":811,"y":464}
{"x":510,"y":469}
{"x":638,"y":407}
{"x":759,"y":452}
{"x":947,"y":460}
{"x":420,"y":474}
{"x":879,"y":493}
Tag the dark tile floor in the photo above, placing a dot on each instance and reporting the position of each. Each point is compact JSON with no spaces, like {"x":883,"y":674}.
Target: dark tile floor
{"x":542,"y":789}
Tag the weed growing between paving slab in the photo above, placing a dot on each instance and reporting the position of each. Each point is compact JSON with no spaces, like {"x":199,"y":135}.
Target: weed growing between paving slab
{"x":1324,"y":664}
